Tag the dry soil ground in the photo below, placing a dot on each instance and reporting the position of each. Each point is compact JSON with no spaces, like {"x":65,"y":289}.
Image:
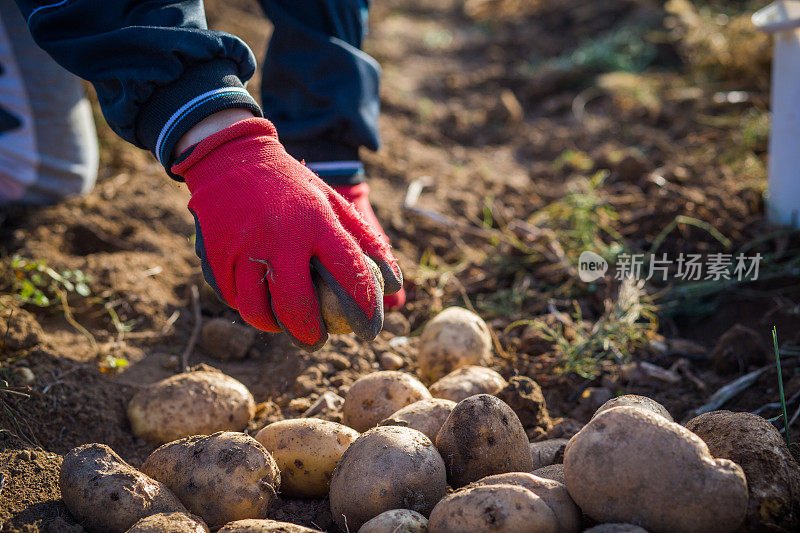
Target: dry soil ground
{"x":503,"y":109}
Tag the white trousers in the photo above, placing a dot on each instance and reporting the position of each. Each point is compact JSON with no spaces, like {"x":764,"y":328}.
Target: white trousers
{"x":48,"y":142}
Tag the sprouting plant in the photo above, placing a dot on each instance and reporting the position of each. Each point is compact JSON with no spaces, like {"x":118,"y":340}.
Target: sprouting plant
{"x":35,"y":282}
{"x":626,"y":324}
{"x":583,"y":220}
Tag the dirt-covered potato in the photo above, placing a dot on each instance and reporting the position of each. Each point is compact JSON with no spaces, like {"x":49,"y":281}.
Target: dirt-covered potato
{"x":194,"y":403}
{"x":332,"y":314}
{"x":554,"y":472}
{"x":426,"y":416}
{"x":388,"y":467}
{"x":634,"y":400}
{"x":553,"y":493}
{"x":396,"y":521}
{"x":773,"y":476}
{"x":468,"y":381}
{"x":253,"y":525}
{"x":376,"y":396}
{"x":306,"y":450}
{"x":169,"y":523}
{"x":482,"y":437}
{"x":221,"y":477}
{"x":454,"y":338}
{"x":105,"y":494}
{"x":634,"y":466}
{"x":492,"y":509}
{"x":545,"y":452}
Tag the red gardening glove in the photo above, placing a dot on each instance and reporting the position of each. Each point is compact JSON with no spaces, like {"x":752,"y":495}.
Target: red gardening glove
{"x":263,"y":219}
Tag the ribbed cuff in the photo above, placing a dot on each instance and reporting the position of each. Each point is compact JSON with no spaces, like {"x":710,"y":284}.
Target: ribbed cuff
{"x":174,"y":109}
{"x":336,"y":173}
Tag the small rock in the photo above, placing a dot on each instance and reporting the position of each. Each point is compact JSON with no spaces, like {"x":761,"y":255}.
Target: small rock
{"x":20,"y":331}
{"x":644,"y":372}
{"x":26,"y":375}
{"x":304,"y":385}
{"x":300,"y":404}
{"x":525,"y":398}
{"x":338,"y":361}
{"x":338,"y":380}
{"x":225,"y":340}
{"x":737,"y":349}
{"x":773,"y":476}
{"x":545,"y":452}
{"x":328,"y":407}
{"x":390,"y":361}
{"x":396,"y":323}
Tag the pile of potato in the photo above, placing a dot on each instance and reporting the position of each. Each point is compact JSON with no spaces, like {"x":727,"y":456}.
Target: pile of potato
{"x":451,"y":457}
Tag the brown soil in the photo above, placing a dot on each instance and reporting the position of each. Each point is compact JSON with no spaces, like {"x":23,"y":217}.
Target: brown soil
{"x":464,"y":109}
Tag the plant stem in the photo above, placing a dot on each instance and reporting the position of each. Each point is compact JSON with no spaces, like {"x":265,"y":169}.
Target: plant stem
{"x":780,"y":385}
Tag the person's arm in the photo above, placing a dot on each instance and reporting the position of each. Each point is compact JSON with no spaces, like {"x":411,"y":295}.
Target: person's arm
{"x":168,"y":84}
{"x":157,"y":69}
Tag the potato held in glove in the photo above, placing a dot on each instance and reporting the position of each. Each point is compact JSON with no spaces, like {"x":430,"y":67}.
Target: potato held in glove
{"x":332,"y":314}
{"x":221,"y":477}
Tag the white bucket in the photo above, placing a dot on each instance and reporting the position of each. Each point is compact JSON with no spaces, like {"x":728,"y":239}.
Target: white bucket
{"x":783,"y":197}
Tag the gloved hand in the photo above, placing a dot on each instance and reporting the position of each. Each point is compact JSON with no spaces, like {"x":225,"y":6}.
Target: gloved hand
{"x":263,"y":219}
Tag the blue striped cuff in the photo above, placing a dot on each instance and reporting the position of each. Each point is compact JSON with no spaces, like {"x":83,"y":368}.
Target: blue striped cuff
{"x":173,"y":110}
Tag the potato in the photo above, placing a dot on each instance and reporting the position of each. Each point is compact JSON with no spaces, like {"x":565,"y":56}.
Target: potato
{"x":378,"y":395}
{"x":524,"y":396}
{"x":426,"y":416}
{"x":225,"y":340}
{"x":492,"y":509}
{"x":773,"y":475}
{"x":221,"y":477}
{"x":553,"y":493}
{"x":554,"y":472}
{"x":106,"y":494}
{"x":396,"y":521}
{"x":454,"y":338}
{"x":634,"y":466}
{"x":634,"y":400}
{"x":468,"y":381}
{"x":264,"y":526}
{"x":306,"y":450}
{"x":194,"y":403}
{"x":388,"y":467}
{"x":481,"y":437}
{"x":169,"y":523}
{"x":332,"y":314}
{"x":544,"y":452}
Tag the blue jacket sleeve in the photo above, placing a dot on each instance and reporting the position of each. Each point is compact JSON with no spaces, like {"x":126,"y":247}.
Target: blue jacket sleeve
{"x":155,"y":65}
